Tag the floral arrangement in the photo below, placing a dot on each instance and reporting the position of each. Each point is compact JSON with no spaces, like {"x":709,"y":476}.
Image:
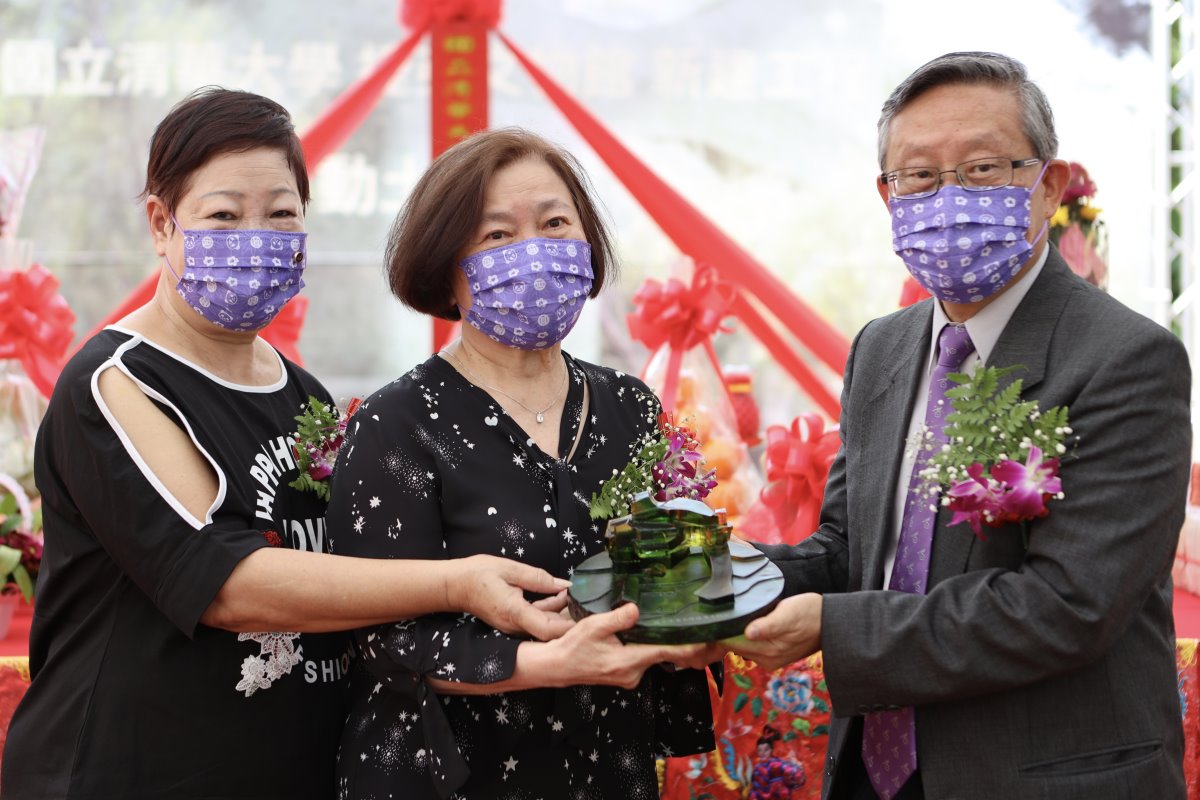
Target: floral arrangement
{"x":1001,"y":460}
{"x":1077,"y":230}
{"x":321,"y":431}
{"x":20,"y":540}
{"x":668,"y":464}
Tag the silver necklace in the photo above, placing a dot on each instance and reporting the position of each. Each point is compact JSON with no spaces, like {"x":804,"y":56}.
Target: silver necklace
{"x":540,"y":416}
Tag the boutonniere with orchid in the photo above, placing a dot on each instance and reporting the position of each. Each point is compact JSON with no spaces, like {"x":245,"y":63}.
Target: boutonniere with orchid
{"x":669,"y":464}
{"x":321,"y":431}
{"x":1000,"y":464}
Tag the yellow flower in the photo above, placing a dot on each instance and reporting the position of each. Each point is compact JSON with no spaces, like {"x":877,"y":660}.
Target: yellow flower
{"x":1061,"y":217}
{"x":1089,"y":213}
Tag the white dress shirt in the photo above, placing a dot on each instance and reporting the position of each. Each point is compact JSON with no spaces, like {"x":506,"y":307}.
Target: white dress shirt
{"x":984,"y":329}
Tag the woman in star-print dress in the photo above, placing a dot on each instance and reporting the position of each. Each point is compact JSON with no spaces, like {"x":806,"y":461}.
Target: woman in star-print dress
{"x":495,"y":446}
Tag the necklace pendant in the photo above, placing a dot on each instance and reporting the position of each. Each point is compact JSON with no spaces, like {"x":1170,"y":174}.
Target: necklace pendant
{"x":541,"y":418}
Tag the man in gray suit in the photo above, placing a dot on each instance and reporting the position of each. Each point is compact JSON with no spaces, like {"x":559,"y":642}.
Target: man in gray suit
{"x":1043,"y":669}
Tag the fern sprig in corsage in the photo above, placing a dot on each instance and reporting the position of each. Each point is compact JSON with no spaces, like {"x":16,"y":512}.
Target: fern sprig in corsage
{"x":1000,"y":463}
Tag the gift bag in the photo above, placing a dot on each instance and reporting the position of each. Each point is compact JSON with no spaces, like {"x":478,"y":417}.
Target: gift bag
{"x":677,"y":321}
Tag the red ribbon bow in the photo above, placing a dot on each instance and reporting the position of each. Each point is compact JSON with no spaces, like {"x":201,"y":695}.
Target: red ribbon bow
{"x":417,"y":14}
{"x":797,"y":462}
{"x":35,"y":324}
{"x":679,"y":315}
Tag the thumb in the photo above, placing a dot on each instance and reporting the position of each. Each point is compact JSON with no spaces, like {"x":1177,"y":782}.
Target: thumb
{"x":535,"y":580}
{"x":762,"y":628}
{"x":619,"y":619}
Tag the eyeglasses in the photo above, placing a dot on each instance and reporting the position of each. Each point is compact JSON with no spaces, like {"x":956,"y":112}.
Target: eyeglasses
{"x":978,"y":175}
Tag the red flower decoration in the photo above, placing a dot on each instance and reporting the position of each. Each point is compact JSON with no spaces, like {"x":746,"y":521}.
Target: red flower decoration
{"x":273,"y":538}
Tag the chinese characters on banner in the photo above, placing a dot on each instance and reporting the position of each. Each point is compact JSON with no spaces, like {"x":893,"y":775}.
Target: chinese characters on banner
{"x":458,"y":103}
{"x":459,"y":90}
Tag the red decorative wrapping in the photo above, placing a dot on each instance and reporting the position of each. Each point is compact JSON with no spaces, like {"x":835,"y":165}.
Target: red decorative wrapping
{"x":694,"y":234}
{"x":680,"y":317}
{"x":767,"y":724}
{"x":35,"y":324}
{"x":427,"y":13}
{"x":745,"y":407}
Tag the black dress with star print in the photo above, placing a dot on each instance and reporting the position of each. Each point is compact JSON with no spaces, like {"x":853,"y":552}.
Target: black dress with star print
{"x":434,"y":468}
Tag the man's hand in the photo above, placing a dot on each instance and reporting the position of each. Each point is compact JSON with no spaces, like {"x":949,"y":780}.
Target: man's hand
{"x":790,"y":632}
{"x":492,"y":589}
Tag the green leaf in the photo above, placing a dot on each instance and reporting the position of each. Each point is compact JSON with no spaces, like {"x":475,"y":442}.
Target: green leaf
{"x":819,"y":704}
{"x":10,"y":559}
{"x":789,"y":736}
{"x":756,"y":706}
{"x":24,"y":582}
{"x":8,"y":504}
{"x":822,"y":686}
{"x":740,"y":701}
{"x":820,"y":730}
{"x":742,"y":681}
{"x":802,"y":725}
{"x":772,"y":714}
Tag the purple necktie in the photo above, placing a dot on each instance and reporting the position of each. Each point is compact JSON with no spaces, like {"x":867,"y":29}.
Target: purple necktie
{"x":889,"y":737}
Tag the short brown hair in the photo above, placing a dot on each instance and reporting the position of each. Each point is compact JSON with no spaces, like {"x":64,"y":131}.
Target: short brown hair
{"x":212,"y":121}
{"x":446,"y":206}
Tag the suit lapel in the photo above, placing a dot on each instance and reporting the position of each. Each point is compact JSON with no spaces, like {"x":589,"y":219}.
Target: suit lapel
{"x":1024,"y":343}
{"x":884,"y":422}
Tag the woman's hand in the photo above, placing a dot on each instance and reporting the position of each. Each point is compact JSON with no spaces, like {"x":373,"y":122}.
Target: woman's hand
{"x":492,"y":589}
{"x":591,"y":653}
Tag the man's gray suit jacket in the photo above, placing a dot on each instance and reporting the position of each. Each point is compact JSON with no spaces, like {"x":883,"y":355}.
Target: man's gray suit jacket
{"x":1046,"y":672}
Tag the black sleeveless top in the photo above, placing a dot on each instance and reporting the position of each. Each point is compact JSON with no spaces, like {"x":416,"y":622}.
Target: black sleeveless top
{"x":131,"y":696}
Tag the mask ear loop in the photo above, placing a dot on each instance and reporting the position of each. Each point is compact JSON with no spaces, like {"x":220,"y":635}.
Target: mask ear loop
{"x":166,"y":257}
{"x":1046,"y":223}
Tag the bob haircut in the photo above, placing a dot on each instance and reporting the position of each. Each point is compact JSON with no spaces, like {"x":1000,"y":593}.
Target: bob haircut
{"x":212,"y":121}
{"x":444,"y":210}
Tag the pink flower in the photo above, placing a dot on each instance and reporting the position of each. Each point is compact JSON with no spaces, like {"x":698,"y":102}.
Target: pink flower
{"x":974,"y":500}
{"x":676,"y":475}
{"x":1027,"y":486}
{"x":323,"y":457}
{"x":1078,"y":186}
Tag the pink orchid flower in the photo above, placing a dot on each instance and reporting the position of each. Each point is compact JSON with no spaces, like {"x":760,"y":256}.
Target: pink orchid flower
{"x":1027,"y":486}
{"x":974,"y":500}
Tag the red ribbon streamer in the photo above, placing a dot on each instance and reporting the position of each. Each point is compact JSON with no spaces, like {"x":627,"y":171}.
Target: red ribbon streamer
{"x":691,"y":231}
{"x":679,"y":317}
{"x":797,"y":462}
{"x":35,"y":324}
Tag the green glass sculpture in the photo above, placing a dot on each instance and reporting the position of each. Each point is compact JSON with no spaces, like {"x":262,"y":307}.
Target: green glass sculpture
{"x":675,"y":559}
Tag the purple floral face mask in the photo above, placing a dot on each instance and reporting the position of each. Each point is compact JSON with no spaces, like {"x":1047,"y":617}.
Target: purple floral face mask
{"x":528,"y":294}
{"x":964,"y":246}
{"x":240,"y":279}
